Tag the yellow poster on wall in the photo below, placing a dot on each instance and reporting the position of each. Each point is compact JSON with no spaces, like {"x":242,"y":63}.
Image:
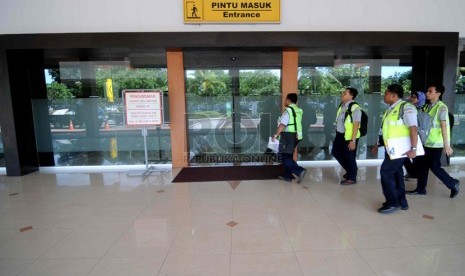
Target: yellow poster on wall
{"x":113,"y":148}
{"x":232,"y":11}
{"x":109,"y":88}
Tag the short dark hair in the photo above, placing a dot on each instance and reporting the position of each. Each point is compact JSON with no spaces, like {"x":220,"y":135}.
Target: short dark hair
{"x":396,"y":89}
{"x":353,"y":92}
{"x":292,"y":97}
{"x":439,"y":87}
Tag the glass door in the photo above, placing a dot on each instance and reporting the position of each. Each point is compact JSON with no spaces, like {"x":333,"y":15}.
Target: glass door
{"x":233,"y":95}
{"x":230,"y":113}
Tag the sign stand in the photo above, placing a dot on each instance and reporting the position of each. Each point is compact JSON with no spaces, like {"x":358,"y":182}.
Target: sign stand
{"x":148,"y":169}
{"x":143,"y":108}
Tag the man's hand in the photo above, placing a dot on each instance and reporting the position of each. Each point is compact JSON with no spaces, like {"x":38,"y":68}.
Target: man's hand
{"x":411,"y":154}
{"x":448,"y":150}
{"x":352,"y":145}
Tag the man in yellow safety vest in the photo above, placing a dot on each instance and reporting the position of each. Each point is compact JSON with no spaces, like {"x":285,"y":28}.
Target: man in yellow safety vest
{"x":399,"y":120}
{"x":347,"y":134}
{"x":437,"y":140}
{"x":290,"y":124}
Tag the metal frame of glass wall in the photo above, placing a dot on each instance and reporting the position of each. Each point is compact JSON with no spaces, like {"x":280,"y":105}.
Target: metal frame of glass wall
{"x":86,"y":63}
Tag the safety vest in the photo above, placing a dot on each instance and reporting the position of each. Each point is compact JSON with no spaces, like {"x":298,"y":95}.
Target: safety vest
{"x":393,"y":125}
{"x":434,"y":139}
{"x":348,"y":124}
{"x":291,"y":126}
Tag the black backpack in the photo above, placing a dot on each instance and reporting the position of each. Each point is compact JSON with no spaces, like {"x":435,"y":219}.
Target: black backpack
{"x":451,"y":121}
{"x":363,"y":122}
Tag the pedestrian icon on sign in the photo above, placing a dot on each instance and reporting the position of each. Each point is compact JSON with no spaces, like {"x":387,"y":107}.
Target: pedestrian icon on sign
{"x":193,"y":10}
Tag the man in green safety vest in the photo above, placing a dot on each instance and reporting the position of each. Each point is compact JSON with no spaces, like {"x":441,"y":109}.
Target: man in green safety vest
{"x":437,"y":141}
{"x":399,"y":120}
{"x":290,"y":123}
{"x":347,"y":134}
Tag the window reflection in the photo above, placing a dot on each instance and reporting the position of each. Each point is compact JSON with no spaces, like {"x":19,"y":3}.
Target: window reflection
{"x":231,"y":113}
{"x":86,"y":109}
{"x":2,"y":151}
{"x":324,"y":74}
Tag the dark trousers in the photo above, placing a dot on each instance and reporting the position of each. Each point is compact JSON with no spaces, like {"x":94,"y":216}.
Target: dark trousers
{"x":392,"y":181}
{"x":432,"y":160}
{"x":344,"y":156}
{"x":410,"y":167}
{"x":290,"y":166}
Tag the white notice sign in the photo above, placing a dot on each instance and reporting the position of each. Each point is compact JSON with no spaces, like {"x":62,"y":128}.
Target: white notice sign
{"x":143,"y":107}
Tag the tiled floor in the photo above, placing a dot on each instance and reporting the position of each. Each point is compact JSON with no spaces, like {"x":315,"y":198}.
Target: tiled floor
{"x":114,"y":224}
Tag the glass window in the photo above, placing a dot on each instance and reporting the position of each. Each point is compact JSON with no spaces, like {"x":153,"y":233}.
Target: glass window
{"x":2,"y":151}
{"x":85,"y":109}
{"x":231,"y":113}
{"x":457,"y":139}
{"x":323,"y":76}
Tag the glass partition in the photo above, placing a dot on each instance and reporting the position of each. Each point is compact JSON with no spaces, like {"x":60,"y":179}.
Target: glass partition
{"x":457,"y":139}
{"x":231,"y":113}
{"x":2,"y":151}
{"x":85,"y":112}
{"x":323,"y":76}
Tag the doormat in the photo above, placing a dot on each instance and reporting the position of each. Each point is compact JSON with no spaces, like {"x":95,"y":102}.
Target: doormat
{"x":228,"y":173}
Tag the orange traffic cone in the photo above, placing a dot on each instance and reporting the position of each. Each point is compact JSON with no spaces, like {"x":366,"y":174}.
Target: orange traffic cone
{"x":71,"y":125}
{"x":107,"y":125}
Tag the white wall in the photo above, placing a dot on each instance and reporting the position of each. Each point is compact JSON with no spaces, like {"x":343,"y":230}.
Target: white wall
{"x":72,"y":16}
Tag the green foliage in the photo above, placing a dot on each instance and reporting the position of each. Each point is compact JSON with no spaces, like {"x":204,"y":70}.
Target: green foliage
{"x":332,"y":80}
{"x":208,"y":83}
{"x":57,"y":91}
{"x":123,"y":78}
{"x":404,"y":79}
{"x":259,"y":83}
{"x":217,"y":83}
{"x":460,"y":84}
{"x":129,"y":78}
{"x":70,"y":77}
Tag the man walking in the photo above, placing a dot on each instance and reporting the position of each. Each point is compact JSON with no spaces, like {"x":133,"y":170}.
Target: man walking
{"x":399,"y":120}
{"x":438,"y":140}
{"x":347,"y":134}
{"x":290,"y":123}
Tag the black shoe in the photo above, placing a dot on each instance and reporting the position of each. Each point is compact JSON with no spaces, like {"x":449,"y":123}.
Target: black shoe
{"x":403,"y":206}
{"x":284,"y":178}
{"x":301,"y":176}
{"x":348,"y":182}
{"x":455,"y":191}
{"x":388,"y":209}
{"x":415,"y":192}
{"x":344,"y":176}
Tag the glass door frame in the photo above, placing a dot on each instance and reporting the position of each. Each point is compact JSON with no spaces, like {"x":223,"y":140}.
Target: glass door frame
{"x":234,"y":61}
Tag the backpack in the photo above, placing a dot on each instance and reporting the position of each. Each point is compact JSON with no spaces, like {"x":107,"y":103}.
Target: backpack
{"x":363,"y":121}
{"x":451,"y":121}
{"x":424,"y":124}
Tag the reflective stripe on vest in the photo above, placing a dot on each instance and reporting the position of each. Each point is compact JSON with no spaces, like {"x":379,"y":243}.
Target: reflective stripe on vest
{"x":393,"y":124}
{"x":434,"y":139}
{"x":291,"y":125}
{"x":348,"y":124}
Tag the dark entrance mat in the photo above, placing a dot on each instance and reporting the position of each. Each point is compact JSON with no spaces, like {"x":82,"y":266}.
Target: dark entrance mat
{"x":204,"y":174}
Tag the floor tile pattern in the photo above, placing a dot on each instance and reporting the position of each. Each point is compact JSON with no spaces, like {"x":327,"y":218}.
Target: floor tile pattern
{"x":115,"y":223}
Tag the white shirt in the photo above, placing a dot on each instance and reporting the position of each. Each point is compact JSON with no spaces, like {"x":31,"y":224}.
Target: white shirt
{"x":356,"y":117}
